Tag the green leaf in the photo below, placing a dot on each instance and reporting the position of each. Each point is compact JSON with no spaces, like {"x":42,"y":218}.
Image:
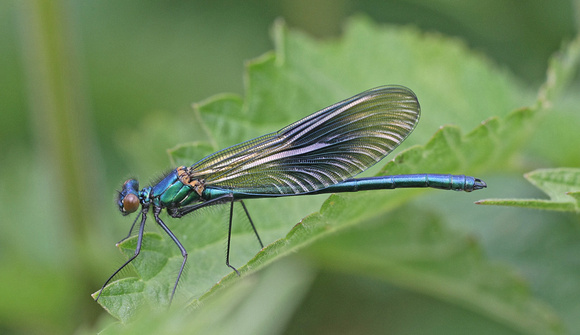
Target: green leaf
{"x":557,"y":128}
{"x":238,"y":309}
{"x":562,"y":185}
{"x":561,"y":71}
{"x":301,"y":76}
{"x":422,"y":255}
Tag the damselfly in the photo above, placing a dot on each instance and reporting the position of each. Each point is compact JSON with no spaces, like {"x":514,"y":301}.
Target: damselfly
{"x":318,"y":154}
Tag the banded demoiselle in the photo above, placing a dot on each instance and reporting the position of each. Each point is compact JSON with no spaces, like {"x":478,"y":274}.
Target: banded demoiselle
{"x":318,"y":154}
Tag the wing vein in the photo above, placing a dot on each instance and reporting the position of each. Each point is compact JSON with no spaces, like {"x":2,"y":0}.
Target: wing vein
{"x":325,"y":148}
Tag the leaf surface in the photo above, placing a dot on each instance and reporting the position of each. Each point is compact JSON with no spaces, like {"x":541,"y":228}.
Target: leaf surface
{"x":454,"y":86}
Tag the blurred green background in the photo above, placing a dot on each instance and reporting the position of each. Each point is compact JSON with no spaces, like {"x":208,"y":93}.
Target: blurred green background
{"x":117,"y":66}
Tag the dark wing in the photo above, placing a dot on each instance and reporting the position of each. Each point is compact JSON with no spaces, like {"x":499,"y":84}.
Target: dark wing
{"x":322,"y":149}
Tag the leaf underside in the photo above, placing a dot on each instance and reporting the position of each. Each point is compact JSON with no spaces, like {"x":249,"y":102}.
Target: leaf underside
{"x":561,"y":185}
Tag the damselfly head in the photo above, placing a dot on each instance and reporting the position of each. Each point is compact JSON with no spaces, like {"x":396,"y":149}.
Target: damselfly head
{"x":129,"y":197}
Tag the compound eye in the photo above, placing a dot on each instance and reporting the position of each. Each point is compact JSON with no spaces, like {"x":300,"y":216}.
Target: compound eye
{"x":130,"y":203}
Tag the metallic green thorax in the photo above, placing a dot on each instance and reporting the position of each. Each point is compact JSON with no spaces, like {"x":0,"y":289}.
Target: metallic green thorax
{"x":171,"y":192}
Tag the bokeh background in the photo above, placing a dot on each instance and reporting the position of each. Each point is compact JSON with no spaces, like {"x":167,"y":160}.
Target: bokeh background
{"x":121,"y":64}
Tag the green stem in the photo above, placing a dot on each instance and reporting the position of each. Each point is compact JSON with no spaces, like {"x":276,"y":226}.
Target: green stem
{"x":66,"y":148}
